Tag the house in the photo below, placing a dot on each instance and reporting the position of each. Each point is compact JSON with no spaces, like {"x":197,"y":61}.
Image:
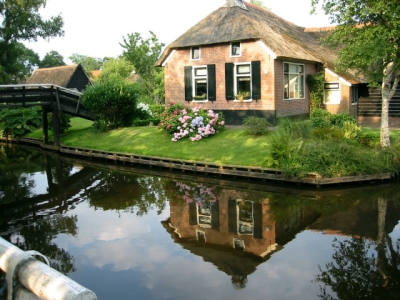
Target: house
{"x":244,"y":60}
{"x":70,"y":77}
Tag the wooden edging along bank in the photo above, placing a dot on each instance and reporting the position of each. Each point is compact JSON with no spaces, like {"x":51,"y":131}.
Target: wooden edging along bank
{"x":200,"y":167}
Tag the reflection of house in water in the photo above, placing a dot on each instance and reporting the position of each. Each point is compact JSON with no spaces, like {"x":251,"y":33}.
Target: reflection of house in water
{"x":234,"y":233}
{"x":360,"y":220}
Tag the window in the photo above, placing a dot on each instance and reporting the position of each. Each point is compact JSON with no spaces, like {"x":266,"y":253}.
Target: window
{"x":243,"y":81}
{"x":195,"y":53}
{"x":354,"y":94}
{"x":200,"y":83}
{"x":235,"y":49}
{"x":332,"y":93}
{"x":293,"y":81}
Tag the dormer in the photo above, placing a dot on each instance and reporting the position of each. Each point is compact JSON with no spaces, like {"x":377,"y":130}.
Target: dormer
{"x":239,"y":3}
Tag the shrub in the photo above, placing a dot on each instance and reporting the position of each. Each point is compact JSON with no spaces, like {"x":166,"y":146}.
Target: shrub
{"x":321,"y":118}
{"x":193,"y":123}
{"x":256,"y":125}
{"x":65,"y":122}
{"x":328,"y":133}
{"x":113,"y":103}
{"x":20,"y":121}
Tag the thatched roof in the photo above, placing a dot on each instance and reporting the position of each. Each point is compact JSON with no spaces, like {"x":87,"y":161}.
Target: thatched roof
{"x":233,"y":23}
{"x":60,"y":76}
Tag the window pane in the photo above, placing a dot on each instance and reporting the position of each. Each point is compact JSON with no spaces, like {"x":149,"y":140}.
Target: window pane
{"x":235,"y":48}
{"x":243,"y":87}
{"x":293,"y":68}
{"x":286,"y":86}
{"x":195,"y":52}
{"x":200,"y":72}
{"x":285,"y":68}
{"x":200,"y":87}
{"x":243,"y":69}
{"x":301,"y":86}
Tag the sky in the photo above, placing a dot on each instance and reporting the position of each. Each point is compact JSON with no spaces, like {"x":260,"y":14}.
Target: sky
{"x":97,"y":27}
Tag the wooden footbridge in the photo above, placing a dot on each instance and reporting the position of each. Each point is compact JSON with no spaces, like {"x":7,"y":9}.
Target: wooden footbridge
{"x":51,"y":98}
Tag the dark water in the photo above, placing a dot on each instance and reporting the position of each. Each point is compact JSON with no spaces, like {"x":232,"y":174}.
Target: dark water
{"x":151,"y":235}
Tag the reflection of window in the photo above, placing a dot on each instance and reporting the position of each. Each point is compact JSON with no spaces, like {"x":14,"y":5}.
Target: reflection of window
{"x":201,"y":236}
{"x":354,"y":94}
{"x":235,"y":49}
{"x":204,"y":215}
{"x":332,"y":93}
{"x":238,"y":244}
{"x":195,"y":52}
{"x":293,"y":81}
{"x":245,"y":217}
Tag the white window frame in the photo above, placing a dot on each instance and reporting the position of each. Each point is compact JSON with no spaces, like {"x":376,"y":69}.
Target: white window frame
{"x":303,"y":83}
{"x":246,"y":223}
{"x":354,"y":96}
{"x":231,"y":49}
{"x":192,"y":49}
{"x":334,"y":88}
{"x":199,"y":77}
{"x":235,"y":79}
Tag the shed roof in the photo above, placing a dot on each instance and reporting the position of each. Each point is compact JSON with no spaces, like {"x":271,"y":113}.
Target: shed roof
{"x":60,"y":76}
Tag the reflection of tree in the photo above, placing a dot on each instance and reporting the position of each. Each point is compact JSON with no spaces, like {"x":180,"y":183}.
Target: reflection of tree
{"x":15,"y":165}
{"x":359,"y":273}
{"x":119,"y":191}
{"x":39,"y":235}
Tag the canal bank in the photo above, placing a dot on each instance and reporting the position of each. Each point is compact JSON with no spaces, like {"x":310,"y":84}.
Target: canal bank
{"x":234,"y":171}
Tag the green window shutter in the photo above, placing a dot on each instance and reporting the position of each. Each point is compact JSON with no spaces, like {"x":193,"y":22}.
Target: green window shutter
{"x":211,"y":84}
{"x":255,"y":80}
{"x":188,"y":84}
{"x":229,"y":81}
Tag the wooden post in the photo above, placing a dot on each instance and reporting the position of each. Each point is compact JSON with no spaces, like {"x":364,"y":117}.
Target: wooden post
{"x":56,"y":120}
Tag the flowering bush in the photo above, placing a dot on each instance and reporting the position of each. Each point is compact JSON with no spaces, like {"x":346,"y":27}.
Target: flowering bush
{"x":193,"y":123}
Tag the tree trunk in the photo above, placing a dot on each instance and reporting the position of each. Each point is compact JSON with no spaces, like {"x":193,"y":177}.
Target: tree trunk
{"x":388,"y":90}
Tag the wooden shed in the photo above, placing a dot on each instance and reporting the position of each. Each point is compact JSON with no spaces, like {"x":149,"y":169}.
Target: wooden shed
{"x":70,"y":77}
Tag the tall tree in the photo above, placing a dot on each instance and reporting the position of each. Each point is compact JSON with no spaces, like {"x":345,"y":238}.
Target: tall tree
{"x":143,"y":54}
{"x":52,"y":59}
{"x":20,"y":22}
{"x":368,"y":36}
{"x":116,"y":67}
{"x":89,"y":63}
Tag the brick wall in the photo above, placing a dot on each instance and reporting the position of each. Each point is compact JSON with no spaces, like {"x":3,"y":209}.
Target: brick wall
{"x":271,"y":102}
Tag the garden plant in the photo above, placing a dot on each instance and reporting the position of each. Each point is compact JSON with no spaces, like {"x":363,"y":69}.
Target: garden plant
{"x":194,"y":123}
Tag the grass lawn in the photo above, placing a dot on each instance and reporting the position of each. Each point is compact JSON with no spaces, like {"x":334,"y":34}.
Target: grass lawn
{"x":230,"y":146}
{"x":233,"y":146}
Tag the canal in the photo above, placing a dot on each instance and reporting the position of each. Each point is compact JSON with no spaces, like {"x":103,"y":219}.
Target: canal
{"x":128,"y":233}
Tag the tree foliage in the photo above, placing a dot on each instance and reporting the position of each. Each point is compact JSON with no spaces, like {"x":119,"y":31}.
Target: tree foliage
{"x":143,"y":54}
{"x":116,"y":66}
{"x":113,"y":102}
{"x":21,"y":21}
{"x":52,"y":59}
{"x":258,"y":3}
{"x":88,"y":63}
{"x":368,"y":36}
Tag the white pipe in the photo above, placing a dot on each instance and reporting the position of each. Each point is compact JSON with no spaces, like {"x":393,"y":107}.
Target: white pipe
{"x":41,"y":279}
